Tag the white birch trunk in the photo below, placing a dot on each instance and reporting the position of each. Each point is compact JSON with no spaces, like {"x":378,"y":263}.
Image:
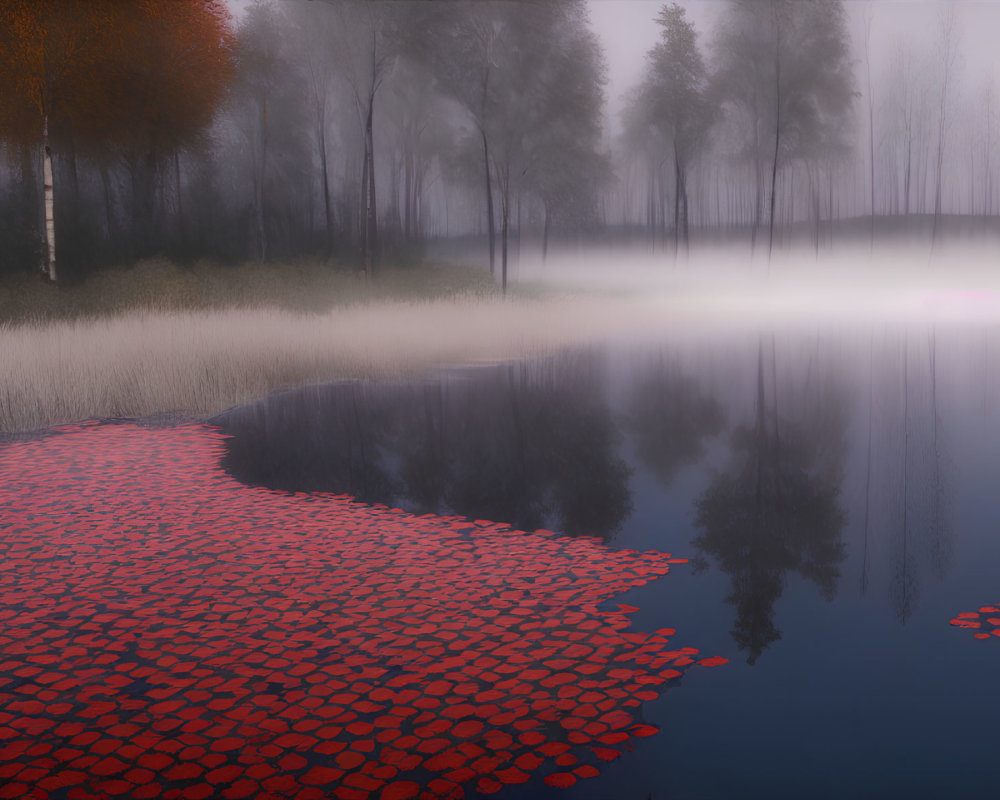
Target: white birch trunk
{"x":50,"y":223}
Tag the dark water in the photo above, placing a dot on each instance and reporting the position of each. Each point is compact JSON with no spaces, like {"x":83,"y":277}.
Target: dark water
{"x":837,"y":496}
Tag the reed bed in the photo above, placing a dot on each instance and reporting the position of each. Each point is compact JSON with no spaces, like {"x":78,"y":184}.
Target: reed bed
{"x":197,"y":363}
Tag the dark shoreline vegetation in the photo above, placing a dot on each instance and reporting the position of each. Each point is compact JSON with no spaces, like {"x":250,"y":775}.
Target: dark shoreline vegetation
{"x":164,"y":286}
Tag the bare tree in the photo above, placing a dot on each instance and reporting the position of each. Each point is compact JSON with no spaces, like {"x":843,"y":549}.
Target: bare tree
{"x":948,"y":51}
{"x":785,"y":65}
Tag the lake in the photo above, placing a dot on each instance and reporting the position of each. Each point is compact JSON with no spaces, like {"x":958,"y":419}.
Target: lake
{"x":755,"y":564}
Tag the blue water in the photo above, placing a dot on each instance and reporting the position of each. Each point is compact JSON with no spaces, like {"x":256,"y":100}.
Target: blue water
{"x":835,"y":491}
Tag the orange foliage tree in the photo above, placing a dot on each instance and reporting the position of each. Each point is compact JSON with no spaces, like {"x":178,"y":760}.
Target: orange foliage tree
{"x":145,"y":75}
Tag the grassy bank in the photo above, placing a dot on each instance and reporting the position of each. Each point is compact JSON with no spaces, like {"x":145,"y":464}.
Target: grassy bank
{"x":197,"y":341}
{"x":195,"y":363}
{"x":192,"y":340}
{"x":163,"y":286}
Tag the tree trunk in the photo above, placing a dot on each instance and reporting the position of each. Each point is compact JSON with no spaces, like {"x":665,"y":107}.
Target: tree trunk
{"x":408,"y":193}
{"x":177,"y":191}
{"x":325,"y":177}
{"x":871,"y":125}
{"x":418,"y":194}
{"x":758,"y":208}
{"x":774,"y":162}
{"x":490,"y":225}
{"x":677,"y":200}
{"x":505,"y":226}
{"x":50,"y":224}
{"x":545,"y":233}
{"x":363,"y":207}
{"x":907,"y":174}
{"x":685,"y":215}
{"x":261,"y":173}
{"x":108,"y":209}
{"x":519,"y":233}
{"x":371,"y":210}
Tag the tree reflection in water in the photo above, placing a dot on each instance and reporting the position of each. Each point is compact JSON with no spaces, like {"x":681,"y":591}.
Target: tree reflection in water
{"x":777,"y":509}
{"x":533,"y":445}
{"x":670,"y":417}
{"x":910,"y":488}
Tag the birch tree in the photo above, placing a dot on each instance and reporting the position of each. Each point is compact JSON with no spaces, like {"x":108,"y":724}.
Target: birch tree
{"x":104,"y":73}
{"x":45,"y":51}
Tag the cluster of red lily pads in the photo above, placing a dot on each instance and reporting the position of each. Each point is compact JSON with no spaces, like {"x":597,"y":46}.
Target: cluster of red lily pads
{"x":168,"y":632}
{"x":985,"y":623}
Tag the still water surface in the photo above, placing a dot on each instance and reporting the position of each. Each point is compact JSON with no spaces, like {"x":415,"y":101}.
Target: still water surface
{"x":835,"y":492}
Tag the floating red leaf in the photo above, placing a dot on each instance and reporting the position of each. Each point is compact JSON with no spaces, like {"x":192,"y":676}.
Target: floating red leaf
{"x":172,"y":632}
{"x":973,"y":621}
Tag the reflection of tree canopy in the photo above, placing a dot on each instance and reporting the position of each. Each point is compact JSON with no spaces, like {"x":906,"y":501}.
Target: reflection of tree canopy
{"x":670,"y":418}
{"x":318,"y":438}
{"x":775,"y":511}
{"x":533,"y":445}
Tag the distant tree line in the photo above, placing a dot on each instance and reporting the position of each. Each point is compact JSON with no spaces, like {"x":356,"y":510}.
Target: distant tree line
{"x":355,"y":130}
{"x":346,"y":128}
{"x":782,"y":121}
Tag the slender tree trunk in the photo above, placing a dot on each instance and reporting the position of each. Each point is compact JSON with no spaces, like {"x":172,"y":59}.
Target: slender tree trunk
{"x":817,"y":218}
{"x":988,"y":159}
{"x":418,"y":194}
{"x":777,"y":145}
{"x":871,"y":123}
{"x":371,"y":210}
{"x":685,"y":214}
{"x":395,"y":220}
{"x":505,"y":225}
{"x":907,"y":173}
{"x":108,"y":211}
{"x":177,"y":192}
{"x":661,"y":218}
{"x":47,"y":185}
{"x":651,"y":203}
{"x":545,"y":233}
{"x":774,"y":181}
{"x":325,"y":178}
{"x":758,"y":210}
{"x":259,"y":184}
{"x":363,"y":210}
{"x":407,"y":193}
{"x":942,"y":115}
{"x":490,"y":223}
{"x":677,"y":199}
{"x":519,"y":232}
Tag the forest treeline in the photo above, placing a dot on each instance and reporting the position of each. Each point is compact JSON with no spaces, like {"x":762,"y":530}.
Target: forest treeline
{"x":356,"y":130}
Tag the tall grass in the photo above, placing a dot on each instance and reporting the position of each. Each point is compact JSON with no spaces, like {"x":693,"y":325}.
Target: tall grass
{"x":196,"y":363}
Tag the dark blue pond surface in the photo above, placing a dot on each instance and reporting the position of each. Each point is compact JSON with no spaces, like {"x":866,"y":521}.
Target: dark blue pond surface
{"x":835,"y":492}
